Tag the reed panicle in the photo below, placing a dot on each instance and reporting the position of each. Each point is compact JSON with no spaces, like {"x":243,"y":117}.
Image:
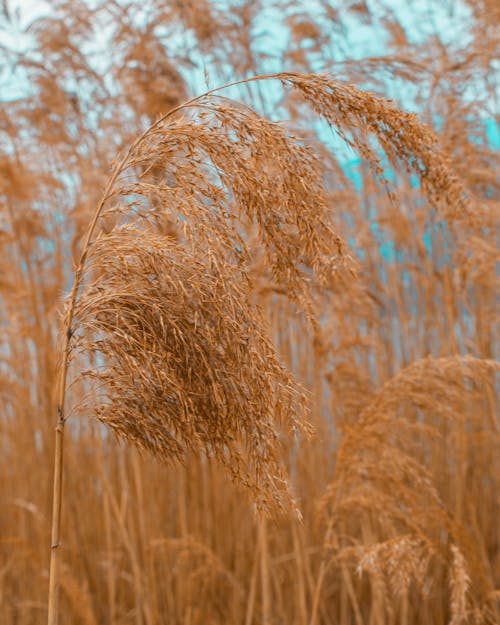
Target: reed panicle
{"x":391,"y":517}
{"x":207,"y":176}
{"x":161,"y":302}
{"x":182,"y":360}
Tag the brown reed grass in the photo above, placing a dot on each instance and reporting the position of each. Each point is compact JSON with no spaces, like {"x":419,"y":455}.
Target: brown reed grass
{"x":166,"y":378}
{"x":392,"y":516}
{"x":412,"y":533}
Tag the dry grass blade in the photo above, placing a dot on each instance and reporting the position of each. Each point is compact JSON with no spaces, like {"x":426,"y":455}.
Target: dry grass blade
{"x":459,"y":584}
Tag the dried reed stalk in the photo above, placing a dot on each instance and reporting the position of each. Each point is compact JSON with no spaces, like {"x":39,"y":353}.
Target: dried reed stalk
{"x":162,"y":295}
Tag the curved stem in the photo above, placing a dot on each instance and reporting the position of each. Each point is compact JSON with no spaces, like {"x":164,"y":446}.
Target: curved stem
{"x":68,"y":333}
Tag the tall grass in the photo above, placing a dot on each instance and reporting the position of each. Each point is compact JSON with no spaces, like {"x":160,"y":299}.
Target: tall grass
{"x":237,"y":285}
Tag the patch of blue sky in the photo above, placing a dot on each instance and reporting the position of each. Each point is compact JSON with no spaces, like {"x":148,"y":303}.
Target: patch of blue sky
{"x":23,"y":12}
{"x":14,"y":83}
{"x":493,"y":133}
{"x":450,"y":19}
{"x":386,"y":246}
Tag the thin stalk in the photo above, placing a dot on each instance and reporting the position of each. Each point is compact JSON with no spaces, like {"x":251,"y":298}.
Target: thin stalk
{"x":68,"y":333}
{"x":253,"y":586}
{"x":264,"y":572}
{"x":321,"y":575}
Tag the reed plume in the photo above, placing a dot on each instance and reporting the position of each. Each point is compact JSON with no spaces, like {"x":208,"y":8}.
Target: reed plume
{"x":162,"y":302}
{"x":182,"y":359}
{"x":391,"y":515}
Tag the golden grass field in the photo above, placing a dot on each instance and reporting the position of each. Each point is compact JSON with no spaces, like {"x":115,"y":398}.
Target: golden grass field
{"x":248,"y":318}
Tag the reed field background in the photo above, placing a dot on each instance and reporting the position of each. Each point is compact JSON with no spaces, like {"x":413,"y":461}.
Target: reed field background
{"x":265,"y":315}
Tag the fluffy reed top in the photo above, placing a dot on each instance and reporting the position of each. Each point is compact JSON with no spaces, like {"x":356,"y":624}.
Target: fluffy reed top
{"x":181,"y":358}
{"x":176,"y":340}
{"x":384,"y":474}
